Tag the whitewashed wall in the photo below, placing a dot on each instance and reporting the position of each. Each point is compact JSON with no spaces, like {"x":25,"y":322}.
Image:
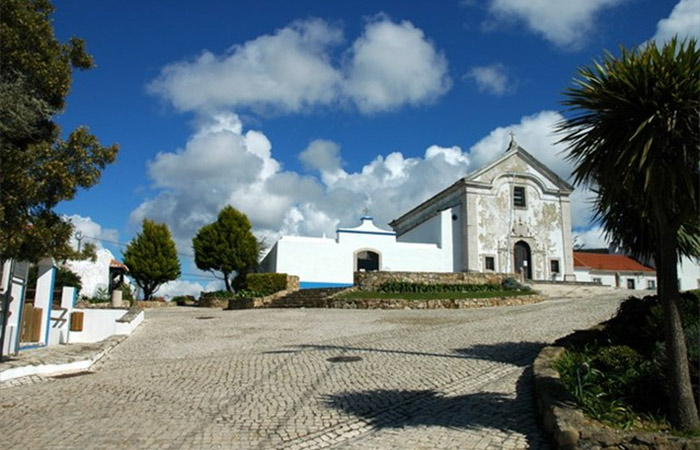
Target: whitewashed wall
{"x":326,"y":261}
{"x":99,"y":324}
{"x":641,"y":280}
{"x":689,"y":273}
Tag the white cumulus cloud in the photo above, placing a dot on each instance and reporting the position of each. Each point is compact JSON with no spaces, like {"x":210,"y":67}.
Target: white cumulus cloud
{"x":298,"y":66}
{"x":684,"y":22}
{"x":287,"y":70}
{"x":279,"y":201}
{"x":393,"y":64}
{"x":562,"y":23}
{"x":491,"y":79}
{"x":592,"y":238}
{"x":90,"y":231}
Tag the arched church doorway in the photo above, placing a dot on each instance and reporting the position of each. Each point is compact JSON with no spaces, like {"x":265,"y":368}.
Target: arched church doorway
{"x":523,"y":262}
{"x":367,"y":261}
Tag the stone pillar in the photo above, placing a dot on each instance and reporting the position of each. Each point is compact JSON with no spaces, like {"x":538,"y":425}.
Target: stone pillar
{"x":568,"y":256}
{"x":117,"y":298}
{"x":44,"y":295}
{"x":471,"y":234}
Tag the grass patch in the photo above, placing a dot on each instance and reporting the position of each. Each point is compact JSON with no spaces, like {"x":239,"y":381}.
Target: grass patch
{"x":430,"y":295}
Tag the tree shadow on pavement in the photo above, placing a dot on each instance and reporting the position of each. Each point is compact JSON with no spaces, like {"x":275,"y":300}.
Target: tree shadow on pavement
{"x":519,"y":354}
{"x":397,"y":408}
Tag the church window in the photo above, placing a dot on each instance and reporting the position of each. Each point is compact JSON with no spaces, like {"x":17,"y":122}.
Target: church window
{"x":554,"y":266}
{"x":489,"y":263}
{"x":519,"y":197}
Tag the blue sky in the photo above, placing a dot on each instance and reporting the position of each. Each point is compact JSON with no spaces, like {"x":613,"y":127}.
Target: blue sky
{"x":301,"y":114}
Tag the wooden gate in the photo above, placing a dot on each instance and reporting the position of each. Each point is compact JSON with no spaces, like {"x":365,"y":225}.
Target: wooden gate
{"x":30,"y":330}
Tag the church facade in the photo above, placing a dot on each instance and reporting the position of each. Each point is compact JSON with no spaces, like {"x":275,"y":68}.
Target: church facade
{"x":511,"y":216}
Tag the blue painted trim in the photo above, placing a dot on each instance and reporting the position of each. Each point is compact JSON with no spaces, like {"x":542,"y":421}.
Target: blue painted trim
{"x":50,"y":308}
{"x":32,"y":346}
{"x":321,"y":284}
{"x":385,"y":233}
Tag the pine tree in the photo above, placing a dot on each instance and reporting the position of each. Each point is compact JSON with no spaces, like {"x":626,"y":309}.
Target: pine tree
{"x":152,"y":258}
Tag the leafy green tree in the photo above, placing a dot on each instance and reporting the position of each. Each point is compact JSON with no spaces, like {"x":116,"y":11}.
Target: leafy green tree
{"x":633,"y":133}
{"x":227,"y":246}
{"x":64,"y":278}
{"x":38,"y":168}
{"x":152,"y":258}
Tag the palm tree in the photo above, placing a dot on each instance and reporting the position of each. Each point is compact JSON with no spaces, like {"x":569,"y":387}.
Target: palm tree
{"x":633,"y":134}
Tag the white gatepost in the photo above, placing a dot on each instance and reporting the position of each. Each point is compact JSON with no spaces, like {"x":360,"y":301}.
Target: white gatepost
{"x":16,"y":281}
{"x":44,"y":295}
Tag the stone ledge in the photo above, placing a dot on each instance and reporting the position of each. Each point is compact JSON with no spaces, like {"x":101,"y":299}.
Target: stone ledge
{"x":256,"y":302}
{"x":462,"y":303}
{"x":570,"y":429}
{"x":130,"y":315}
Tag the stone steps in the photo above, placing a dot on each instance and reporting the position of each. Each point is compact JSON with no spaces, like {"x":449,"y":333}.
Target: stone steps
{"x":306,"y":298}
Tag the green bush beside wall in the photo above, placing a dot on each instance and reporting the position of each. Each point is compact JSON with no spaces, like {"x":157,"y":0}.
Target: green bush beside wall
{"x":267,"y":283}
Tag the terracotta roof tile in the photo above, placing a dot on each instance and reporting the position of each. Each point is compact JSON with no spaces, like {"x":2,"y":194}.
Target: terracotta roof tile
{"x":119,"y":265}
{"x":608,"y":262}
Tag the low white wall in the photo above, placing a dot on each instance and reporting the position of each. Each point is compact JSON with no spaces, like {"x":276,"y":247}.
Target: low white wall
{"x":99,"y":324}
{"x":641,"y":280}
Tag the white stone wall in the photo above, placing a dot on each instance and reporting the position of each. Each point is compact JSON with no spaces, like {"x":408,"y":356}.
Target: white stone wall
{"x":689,"y":273}
{"x":641,"y":280}
{"x":332,"y":261}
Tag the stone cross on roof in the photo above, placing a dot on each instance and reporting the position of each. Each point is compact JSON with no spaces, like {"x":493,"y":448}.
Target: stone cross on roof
{"x":512,"y":144}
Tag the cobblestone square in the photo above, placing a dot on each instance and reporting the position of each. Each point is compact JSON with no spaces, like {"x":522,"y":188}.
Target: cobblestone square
{"x":304,"y":379}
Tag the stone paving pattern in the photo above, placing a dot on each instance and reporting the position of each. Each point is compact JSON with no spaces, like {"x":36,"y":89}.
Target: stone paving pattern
{"x":261,"y":379}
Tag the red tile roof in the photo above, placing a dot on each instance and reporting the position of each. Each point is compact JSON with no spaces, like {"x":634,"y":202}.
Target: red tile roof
{"x":118,"y":265}
{"x":608,"y":262}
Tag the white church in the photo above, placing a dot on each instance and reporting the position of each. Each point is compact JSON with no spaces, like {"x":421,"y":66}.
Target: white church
{"x":511,"y":216}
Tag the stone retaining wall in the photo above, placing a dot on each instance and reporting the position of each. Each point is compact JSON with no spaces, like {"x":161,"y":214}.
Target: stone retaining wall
{"x":462,"y":303}
{"x":370,"y":281}
{"x":154,"y":304}
{"x":570,"y":429}
{"x":257,"y":302}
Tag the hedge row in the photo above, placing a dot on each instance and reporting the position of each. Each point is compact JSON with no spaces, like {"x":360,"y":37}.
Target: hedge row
{"x":266,"y":283}
{"x":407,"y":287}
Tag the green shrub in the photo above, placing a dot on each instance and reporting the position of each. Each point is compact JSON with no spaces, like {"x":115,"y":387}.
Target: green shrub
{"x":246,"y":293}
{"x":622,"y":373}
{"x":610,"y":383}
{"x":511,"y":284}
{"x":266,"y":283}
{"x":403,"y":287}
{"x":217,"y":294}
{"x":182,"y":300}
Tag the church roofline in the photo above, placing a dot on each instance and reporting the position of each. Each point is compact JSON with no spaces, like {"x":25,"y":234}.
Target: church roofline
{"x":513,"y":149}
{"x":470,"y":181}
{"x":434,"y":199}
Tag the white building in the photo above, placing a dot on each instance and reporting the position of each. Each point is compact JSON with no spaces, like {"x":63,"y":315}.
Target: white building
{"x":513,"y":215}
{"x":614,"y":270}
{"x":689,"y":273}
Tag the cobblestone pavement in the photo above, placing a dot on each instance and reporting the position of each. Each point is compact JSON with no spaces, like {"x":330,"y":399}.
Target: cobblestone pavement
{"x":304,"y":379}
